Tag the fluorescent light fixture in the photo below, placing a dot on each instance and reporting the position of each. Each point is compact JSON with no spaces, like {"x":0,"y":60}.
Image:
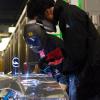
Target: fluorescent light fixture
{"x":4,"y":43}
{"x":11,"y":29}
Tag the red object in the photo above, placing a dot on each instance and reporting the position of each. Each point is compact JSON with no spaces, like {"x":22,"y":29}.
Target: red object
{"x":55,"y":57}
{"x":25,"y":67}
{"x":56,"y":62}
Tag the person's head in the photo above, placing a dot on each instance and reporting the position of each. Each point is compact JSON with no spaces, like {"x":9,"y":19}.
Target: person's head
{"x":48,"y":14}
{"x":34,"y":36}
{"x":41,"y":8}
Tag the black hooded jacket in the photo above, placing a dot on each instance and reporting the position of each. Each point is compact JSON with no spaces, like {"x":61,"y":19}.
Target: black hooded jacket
{"x":78,"y":34}
{"x":82,"y":48}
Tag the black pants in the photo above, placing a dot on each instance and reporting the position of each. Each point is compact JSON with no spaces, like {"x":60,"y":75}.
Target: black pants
{"x":97,"y":97}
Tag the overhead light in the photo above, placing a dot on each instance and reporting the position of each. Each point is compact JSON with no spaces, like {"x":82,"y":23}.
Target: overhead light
{"x":11,"y":29}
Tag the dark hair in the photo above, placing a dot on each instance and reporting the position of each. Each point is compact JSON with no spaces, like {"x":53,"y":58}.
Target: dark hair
{"x":37,"y":7}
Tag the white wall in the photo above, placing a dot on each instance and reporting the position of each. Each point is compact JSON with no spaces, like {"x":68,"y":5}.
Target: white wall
{"x":92,"y":6}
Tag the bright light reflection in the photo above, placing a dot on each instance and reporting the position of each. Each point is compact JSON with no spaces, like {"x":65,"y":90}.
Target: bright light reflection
{"x":74,"y":2}
{"x":4,"y":43}
{"x":11,"y":29}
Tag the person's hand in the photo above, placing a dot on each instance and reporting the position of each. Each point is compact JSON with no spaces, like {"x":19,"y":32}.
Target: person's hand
{"x":63,"y":86}
{"x":36,"y":69}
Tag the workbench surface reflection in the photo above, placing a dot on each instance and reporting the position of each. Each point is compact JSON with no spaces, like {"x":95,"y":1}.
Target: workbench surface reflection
{"x":31,"y":87}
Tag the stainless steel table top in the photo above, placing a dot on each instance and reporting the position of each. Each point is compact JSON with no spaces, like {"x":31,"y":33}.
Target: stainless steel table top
{"x":31,"y":87}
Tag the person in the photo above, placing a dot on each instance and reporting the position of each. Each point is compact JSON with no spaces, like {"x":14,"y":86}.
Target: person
{"x":81,"y":43}
{"x":49,"y":48}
